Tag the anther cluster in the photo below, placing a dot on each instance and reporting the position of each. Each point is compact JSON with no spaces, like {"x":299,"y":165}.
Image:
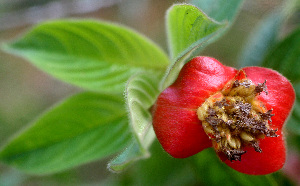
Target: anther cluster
{"x":234,"y":118}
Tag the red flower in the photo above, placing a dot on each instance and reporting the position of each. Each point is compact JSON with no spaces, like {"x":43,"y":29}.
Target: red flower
{"x":238,"y":112}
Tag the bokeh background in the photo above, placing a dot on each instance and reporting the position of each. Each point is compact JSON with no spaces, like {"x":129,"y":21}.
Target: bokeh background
{"x":26,"y":92}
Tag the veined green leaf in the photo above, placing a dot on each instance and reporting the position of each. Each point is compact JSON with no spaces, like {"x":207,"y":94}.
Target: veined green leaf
{"x":186,"y":26}
{"x":94,"y":55}
{"x":285,"y":57}
{"x":141,"y":93}
{"x":219,"y":10}
{"x":86,"y":127}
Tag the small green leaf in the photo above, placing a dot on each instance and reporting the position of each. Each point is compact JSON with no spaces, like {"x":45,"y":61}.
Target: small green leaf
{"x":211,"y":171}
{"x":186,"y":26}
{"x":219,"y":10}
{"x":285,"y":57}
{"x":189,"y":30}
{"x":132,"y":153}
{"x":94,"y":55}
{"x":85,"y":127}
{"x":141,"y":93}
{"x":173,"y":71}
{"x":294,"y":121}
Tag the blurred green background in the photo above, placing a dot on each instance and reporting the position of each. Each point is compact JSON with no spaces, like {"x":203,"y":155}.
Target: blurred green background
{"x":26,"y":92}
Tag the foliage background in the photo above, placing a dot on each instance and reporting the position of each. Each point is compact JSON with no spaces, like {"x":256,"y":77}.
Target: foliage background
{"x":26,"y":91}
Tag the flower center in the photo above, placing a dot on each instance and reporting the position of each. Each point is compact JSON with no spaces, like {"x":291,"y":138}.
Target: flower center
{"x":233,"y":118}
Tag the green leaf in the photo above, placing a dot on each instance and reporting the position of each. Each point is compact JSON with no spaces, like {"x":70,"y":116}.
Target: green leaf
{"x":173,"y":71}
{"x":219,"y":10}
{"x":211,"y":171}
{"x":189,"y":30}
{"x":265,"y":35}
{"x":93,"y":55}
{"x":132,"y":153}
{"x":293,"y":142}
{"x":186,"y":26}
{"x":160,"y":169}
{"x":261,"y":40}
{"x":285,"y":57}
{"x":85,"y":127}
{"x":202,"y":169}
{"x":141,"y":93}
{"x":294,"y":121}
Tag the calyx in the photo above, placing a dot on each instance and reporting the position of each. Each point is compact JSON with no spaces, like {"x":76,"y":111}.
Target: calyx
{"x":233,"y":118}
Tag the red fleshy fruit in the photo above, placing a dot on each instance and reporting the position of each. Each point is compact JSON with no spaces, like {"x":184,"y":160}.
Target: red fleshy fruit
{"x":240,"y":113}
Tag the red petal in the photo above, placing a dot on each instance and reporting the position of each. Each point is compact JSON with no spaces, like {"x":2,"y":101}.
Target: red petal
{"x":179,"y":131}
{"x":203,"y":76}
{"x":270,"y":160}
{"x":281,"y":94}
{"x":175,"y":121}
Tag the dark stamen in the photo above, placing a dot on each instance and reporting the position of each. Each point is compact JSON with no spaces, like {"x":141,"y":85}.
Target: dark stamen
{"x":211,"y":112}
{"x":256,"y":146}
{"x":261,"y":87}
{"x":246,"y":83}
{"x":214,"y":122}
{"x":233,"y":155}
{"x":237,"y":83}
{"x":267,"y":115}
{"x":221,"y":103}
{"x":244,"y":108}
